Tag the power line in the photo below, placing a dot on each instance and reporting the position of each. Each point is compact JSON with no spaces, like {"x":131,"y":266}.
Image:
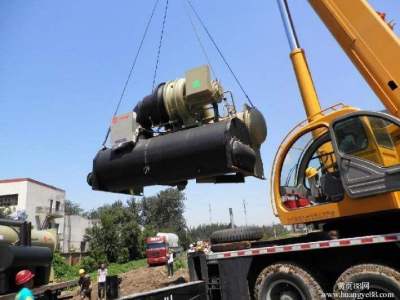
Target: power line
{"x":133,"y":65}
{"x":196,"y":33}
{"x":220,"y":52}
{"x":160,"y":44}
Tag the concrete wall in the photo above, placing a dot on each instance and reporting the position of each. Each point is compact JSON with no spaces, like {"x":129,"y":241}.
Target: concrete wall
{"x":39,"y":199}
{"x":74,"y":258}
{"x":75,"y":230}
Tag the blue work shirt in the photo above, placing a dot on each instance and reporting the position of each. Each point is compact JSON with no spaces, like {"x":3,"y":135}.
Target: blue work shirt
{"x":24,"y":294}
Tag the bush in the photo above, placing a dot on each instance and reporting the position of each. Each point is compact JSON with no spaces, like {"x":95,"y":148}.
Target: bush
{"x":123,"y":256}
{"x":62,"y":270}
{"x":180,"y":262}
{"x":89,"y":264}
{"x":99,"y":257}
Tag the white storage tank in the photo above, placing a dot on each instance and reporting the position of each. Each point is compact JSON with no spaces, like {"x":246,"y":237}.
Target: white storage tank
{"x":172,"y":239}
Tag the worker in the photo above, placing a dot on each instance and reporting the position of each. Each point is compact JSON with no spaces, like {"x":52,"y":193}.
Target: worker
{"x":85,"y":285}
{"x":170,"y":264}
{"x":314,"y":182}
{"x":191,"y":248}
{"x":24,"y":279}
{"x":101,"y":281}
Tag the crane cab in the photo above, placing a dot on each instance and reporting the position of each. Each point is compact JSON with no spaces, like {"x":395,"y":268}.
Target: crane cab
{"x":344,"y":163}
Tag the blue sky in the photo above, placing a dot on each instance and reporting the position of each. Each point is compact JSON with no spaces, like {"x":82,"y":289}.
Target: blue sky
{"x":63,"y":64}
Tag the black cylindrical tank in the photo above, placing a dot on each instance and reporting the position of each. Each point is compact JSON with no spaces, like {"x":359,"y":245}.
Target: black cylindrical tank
{"x":14,"y":256}
{"x":200,"y":152}
{"x":151,"y":110}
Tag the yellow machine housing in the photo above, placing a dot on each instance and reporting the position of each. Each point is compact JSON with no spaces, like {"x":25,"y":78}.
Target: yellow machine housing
{"x":345,"y":207}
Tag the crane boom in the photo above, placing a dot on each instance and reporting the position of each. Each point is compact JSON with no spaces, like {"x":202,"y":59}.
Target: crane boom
{"x":369,"y":42}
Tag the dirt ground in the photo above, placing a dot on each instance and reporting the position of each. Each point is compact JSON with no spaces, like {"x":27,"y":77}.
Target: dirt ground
{"x":144,"y":279}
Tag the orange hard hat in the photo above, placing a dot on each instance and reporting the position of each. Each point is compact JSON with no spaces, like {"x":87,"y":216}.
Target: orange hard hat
{"x":23,"y":277}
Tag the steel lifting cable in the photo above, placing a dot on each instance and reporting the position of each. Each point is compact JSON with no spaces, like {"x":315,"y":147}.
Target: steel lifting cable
{"x":132,"y":66}
{"x":219,"y":52}
{"x":196,"y":33}
{"x":160,"y":44}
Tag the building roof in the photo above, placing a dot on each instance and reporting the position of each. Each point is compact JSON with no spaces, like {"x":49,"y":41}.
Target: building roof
{"x":12,"y":180}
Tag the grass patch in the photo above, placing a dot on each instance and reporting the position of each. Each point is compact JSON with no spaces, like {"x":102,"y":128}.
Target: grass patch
{"x":181,"y":262}
{"x":115,"y":269}
{"x":65,"y":272}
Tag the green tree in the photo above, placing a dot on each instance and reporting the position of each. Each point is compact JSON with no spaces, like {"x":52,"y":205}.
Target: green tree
{"x":165,"y":210}
{"x":92,"y":214}
{"x":72,"y":208}
{"x":148,"y":231}
{"x":131,"y":233}
{"x":118,"y":237}
{"x":124,"y":226}
{"x":164,"y":213}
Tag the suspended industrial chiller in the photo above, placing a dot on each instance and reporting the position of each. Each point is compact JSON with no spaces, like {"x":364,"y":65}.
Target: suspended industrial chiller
{"x":186,"y":129}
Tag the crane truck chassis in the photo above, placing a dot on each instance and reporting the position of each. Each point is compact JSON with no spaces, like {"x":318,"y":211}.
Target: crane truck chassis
{"x":293,"y":270}
{"x":302,"y":270}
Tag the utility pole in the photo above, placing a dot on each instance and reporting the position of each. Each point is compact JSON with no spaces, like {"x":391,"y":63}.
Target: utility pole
{"x":245,"y":211}
{"x":231,"y":217}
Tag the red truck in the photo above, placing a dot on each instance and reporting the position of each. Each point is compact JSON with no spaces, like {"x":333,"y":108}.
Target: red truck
{"x":156,"y":250}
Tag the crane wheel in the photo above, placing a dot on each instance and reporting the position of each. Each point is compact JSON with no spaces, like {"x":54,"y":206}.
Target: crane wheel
{"x":287,"y":281}
{"x":238,"y":234}
{"x":370,"y":280}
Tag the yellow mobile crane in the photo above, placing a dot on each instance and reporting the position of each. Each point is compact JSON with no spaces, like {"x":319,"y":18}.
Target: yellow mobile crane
{"x":339,"y":170}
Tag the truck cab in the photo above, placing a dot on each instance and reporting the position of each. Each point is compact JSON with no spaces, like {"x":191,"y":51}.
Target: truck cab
{"x":156,"y":250}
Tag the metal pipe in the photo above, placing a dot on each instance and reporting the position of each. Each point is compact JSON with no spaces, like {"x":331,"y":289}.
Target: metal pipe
{"x":288,"y":24}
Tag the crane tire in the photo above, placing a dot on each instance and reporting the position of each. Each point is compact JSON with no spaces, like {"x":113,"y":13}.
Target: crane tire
{"x":238,"y":234}
{"x":287,"y":281}
{"x":368,"y":279}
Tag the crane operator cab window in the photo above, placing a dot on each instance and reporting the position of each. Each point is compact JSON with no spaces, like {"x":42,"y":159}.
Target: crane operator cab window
{"x":369,"y":138}
{"x":368,"y":151}
{"x":310,"y":174}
